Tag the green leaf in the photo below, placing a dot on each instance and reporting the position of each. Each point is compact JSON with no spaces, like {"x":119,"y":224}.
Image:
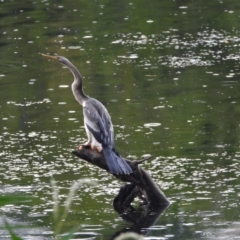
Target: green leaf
{"x":12,"y":234}
{"x":69,"y":235}
{"x":14,"y":199}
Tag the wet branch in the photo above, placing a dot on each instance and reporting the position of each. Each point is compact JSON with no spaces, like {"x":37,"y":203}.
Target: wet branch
{"x":141,"y":184}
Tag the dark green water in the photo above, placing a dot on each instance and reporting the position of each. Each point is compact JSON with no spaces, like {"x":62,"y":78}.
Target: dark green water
{"x":167,"y":71}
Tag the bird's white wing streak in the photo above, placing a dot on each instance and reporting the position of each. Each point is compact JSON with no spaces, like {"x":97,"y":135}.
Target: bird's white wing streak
{"x":98,"y":122}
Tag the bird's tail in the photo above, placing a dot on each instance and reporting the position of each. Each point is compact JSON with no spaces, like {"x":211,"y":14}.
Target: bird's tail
{"x":116,"y":164}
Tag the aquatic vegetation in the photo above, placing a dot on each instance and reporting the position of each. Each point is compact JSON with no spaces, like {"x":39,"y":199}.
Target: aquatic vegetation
{"x":58,"y":217}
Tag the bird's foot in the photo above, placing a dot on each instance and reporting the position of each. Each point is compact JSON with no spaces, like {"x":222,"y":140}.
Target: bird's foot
{"x":84,"y":145}
{"x":87,"y":145}
{"x":99,"y":149}
{"x":96,"y":148}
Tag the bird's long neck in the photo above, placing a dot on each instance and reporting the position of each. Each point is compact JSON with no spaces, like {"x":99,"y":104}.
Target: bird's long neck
{"x":77,"y":86}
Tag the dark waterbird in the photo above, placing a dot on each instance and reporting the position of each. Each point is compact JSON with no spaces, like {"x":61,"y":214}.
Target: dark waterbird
{"x":97,"y":122}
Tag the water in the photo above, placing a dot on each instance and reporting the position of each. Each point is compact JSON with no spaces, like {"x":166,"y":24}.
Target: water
{"x":169,"y":76}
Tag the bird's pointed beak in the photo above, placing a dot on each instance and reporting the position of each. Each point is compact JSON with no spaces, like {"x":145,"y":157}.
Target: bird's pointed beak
{"x":50,"y":57}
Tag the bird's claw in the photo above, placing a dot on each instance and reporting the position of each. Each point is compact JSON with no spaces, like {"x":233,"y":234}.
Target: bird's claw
{"x":99,"y":149}
{"x":85,"y":145}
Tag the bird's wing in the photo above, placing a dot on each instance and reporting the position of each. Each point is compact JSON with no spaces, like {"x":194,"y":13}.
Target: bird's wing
{"x":98,"y":122}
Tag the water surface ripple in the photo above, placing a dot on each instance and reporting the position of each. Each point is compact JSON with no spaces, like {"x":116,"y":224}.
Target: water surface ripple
{"x":169,"y":76}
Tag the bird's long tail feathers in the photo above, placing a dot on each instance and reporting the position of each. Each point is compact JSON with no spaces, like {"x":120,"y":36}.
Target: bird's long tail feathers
{"x":116,"y":164}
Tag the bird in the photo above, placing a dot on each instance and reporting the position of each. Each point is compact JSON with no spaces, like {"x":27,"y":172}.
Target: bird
{"x":97,"y":122}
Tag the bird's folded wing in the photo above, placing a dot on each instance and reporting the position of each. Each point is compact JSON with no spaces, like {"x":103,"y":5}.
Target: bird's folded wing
{"x":98,"y":124}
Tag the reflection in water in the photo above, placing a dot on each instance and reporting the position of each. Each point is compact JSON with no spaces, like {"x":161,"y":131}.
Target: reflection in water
{"x":147,"y":213}
{"x":204,"y":48}
{"x":142,"y":218}
{"x":29,"y":103}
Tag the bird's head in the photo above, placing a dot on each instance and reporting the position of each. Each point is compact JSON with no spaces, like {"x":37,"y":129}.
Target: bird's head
{"x":60,"y":59}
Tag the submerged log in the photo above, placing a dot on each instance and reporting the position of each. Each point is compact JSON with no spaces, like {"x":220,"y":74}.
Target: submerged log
{"x":141,"y":186}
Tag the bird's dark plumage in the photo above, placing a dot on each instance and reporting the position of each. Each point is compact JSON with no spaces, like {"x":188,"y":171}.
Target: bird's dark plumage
{"x":97,"y":122}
